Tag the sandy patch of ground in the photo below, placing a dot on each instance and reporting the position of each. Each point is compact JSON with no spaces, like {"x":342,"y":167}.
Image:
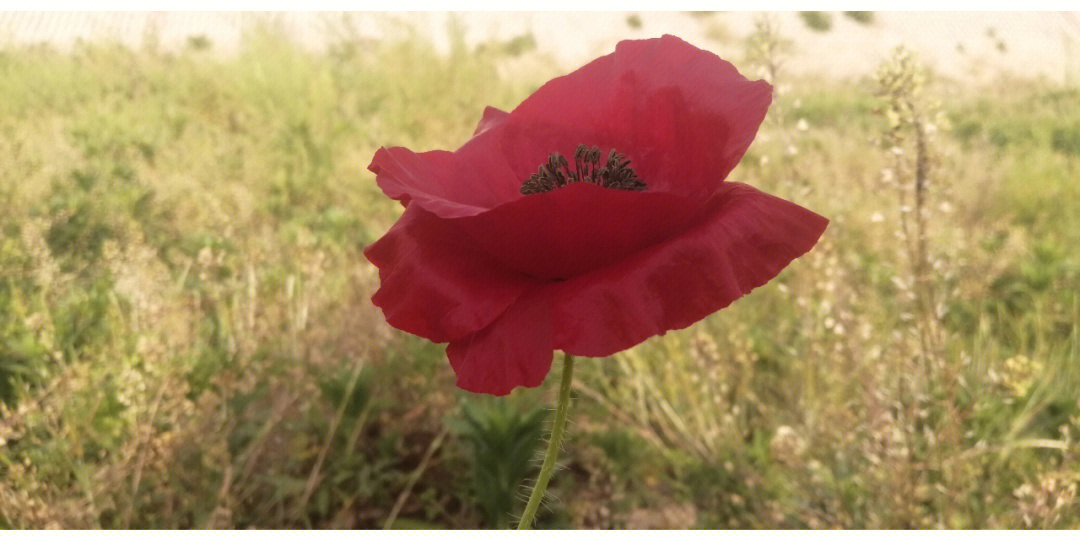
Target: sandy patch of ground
{"x":969,"y":47}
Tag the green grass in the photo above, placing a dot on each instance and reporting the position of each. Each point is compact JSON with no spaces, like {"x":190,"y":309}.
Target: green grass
{"x":186,"y":336}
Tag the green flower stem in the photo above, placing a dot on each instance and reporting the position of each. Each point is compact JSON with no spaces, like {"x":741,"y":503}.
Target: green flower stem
{"x":553,"y":445}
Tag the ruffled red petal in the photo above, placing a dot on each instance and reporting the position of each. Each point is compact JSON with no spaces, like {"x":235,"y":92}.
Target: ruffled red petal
{"x":471,"y":180}
{"x":436,"y":285}
{"x":746,"y":240}
{"x":683,"y":116}
{"x":581,"y":227}
{"x":492,"y":117}
{"x":514,"y":351}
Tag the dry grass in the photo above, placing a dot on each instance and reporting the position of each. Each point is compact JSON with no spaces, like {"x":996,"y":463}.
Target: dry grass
{"x":186,"y":338}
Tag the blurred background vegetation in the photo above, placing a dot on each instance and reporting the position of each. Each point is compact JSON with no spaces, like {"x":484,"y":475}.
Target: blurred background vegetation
{"x":186,"y":338}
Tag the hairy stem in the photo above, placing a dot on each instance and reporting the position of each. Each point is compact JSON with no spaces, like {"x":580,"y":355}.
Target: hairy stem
{"x":553,"y":446}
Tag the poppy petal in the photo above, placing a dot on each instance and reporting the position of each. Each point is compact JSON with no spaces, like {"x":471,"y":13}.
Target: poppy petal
{"x":746,"y":240}
{"x":683,"y":116}
{"x":578,"y":228}
{"x":515,"y":350}
{"x":435,"y":285}
{"x":466,"y":182}
{"x":492,"y":117}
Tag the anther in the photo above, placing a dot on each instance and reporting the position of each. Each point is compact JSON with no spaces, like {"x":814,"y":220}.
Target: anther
{"x":556,"y":173}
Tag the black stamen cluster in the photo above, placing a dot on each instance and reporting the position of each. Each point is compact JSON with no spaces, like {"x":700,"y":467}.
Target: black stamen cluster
{"x":615,"y":174}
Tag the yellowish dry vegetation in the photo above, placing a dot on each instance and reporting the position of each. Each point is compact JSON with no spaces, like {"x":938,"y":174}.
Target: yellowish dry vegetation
{"x":186,"y":338}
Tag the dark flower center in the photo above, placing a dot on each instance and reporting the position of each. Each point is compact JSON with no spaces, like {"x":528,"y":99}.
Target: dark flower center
{"x":556,"y":173}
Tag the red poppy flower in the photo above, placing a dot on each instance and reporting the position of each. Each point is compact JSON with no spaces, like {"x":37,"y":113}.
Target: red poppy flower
{"x":593,"y":216}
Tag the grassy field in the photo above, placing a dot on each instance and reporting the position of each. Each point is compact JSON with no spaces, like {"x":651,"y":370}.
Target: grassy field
{"x":186,"y":338}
